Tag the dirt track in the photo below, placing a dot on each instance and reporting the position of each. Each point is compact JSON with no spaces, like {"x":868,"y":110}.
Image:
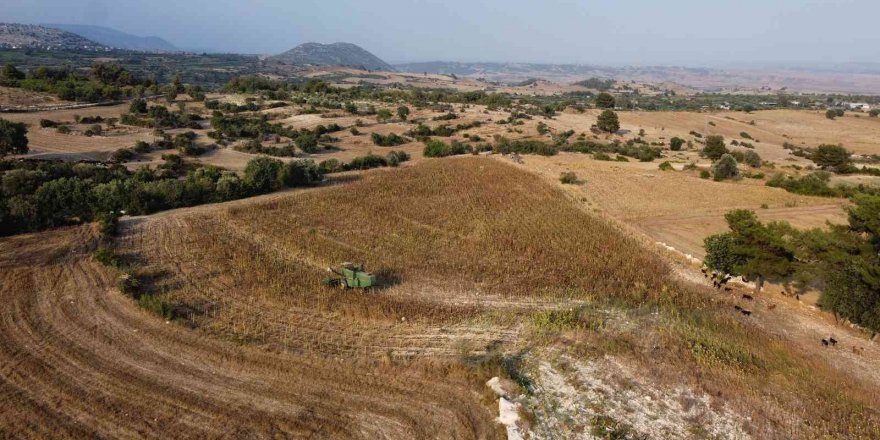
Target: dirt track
{"x":78,"y":359}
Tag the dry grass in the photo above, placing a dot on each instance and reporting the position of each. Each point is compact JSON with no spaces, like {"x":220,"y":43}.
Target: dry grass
{"x":474,"y":247}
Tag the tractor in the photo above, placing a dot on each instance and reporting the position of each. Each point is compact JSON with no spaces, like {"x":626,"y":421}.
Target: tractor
{"x":350,"y":276}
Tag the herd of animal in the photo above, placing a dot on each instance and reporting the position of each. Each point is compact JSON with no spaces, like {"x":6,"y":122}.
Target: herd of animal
{"x":719,"y":281}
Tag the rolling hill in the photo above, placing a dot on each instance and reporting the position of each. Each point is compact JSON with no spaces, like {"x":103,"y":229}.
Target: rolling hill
{"x":29,"y":36}
{"x":117,"y":39}
{"x":336,"y":54}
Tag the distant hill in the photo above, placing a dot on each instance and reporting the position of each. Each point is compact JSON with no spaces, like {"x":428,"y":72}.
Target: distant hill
{"x":336,"y":54}
{"x":117,"y":39}
{"x":29,"y":36}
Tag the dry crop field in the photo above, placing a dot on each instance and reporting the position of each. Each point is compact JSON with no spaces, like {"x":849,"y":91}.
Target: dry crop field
{"x":678,"y":207}
{"x":485,"y":266}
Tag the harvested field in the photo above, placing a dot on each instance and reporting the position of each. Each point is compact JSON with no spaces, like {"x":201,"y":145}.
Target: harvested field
{"x":476,"y":254}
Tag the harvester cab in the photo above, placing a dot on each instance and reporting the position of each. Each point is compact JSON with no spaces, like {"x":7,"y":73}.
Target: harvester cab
{"x":350,"y":276}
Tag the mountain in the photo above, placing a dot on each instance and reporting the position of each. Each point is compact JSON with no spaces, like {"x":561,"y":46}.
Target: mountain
{"x":117,"y":39}
{"x":29,"y":36}
{"x":336,"y":54}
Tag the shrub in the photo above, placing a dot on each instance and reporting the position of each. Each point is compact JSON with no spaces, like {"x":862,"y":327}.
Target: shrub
{"x":122,"y":155}
{"x":745,"y":135}
{"x":666,"y":166}
{"x":389,"y":140}
{"x":704,"y":174}
{"x":725,"y":168}
{"x":366,"y":162}
{"x":568,"y":178}
{"x":395,"y":158}
{"x":13,"y":138}
{"x":813,"y":184}
{"x":521,"y":146}
{"x":308,"y":143}
{"x":300,"y":173}
{"x":142,"y":147}
{"x":435,"y":148}
{"x":752,"y":159}
{"x":676,"y":143}
{"x":62,"y":129}
{"x":354,"y":131}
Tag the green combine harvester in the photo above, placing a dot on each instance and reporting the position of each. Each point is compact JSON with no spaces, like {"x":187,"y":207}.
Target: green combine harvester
{"x":350,"y":276}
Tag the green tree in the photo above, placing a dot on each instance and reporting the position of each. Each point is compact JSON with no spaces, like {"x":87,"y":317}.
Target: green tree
{"x":138,"y":106}
{"x":604,"y":100}
{"x":13,"y":138}
{"x":845,"y":263}
{"x":403,"y":112}
{"x":676,"y":143}
{"x":752,"y":249}
{"x":608,"y":122}
{"x":300,"y":173}
{"x":715,"y":147}
{"x":261,"y":175}
{"x":10,"y":75}
{"x":725,"y":168}
{"x":63,"y":200}
{"x":833,"y":157}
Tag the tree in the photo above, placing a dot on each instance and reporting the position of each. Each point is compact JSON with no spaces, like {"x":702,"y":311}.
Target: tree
{"x":608,"y":122}
{"x":261,"y":174}
{"x":845,"y":262}
{"x":403,"y":112}
{"x":725,"y":168}
{"x":13,"y":138}
{"x":10,"y":75}
{"x":676,"y":143}
{"x":138,"y":106}
{"x":300,"y":173}
{"x":752,"y":249}
{"x":62,"y":200}
{"x":833,"y":157}
{"x":715,"y":147}
{"x":604,"y":100}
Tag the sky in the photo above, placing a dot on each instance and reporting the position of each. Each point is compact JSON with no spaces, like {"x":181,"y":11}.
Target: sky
{"x":697,"y":33}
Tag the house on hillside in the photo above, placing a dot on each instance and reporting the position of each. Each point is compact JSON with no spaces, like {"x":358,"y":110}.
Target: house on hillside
{"x":859,"y":106}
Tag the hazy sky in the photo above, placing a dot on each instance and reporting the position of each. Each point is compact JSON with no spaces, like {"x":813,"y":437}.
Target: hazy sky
{"x":637,"y":32}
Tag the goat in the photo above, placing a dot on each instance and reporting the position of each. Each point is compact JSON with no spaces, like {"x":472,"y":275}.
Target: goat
{"x":728,"y":289}
{"x":825,"y":342}
{"x":771,"y":306}
{"x":738,"y":308}
{"x":797,"y":297}
{"x":832,"y":340}
{"x":746,"y":312}
{"x":748,"y":297}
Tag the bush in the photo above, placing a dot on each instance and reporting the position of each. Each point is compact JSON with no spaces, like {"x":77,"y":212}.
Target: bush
{"x":568,"y":178}
{"x":704,"y":174}
{"x":752,"y":159}
{"x":715,"y":147}
{"x":308,"y":143}
{"x":813,"y":184}
{"x":725,"y":168}
{"x":666,"y":166}
{"x":676,"y":143}
{"x":122,"y":155}
{"x":13,"y":138}
{"x":366,"y":162}
{"x":300,"y":173}
{"x":142,"y":147}
{"x":506,"y":146}
{"x":389,"y":140}
{"x":395,"y":158}
{"x":435,"y":148}
{"x":62,"y":129}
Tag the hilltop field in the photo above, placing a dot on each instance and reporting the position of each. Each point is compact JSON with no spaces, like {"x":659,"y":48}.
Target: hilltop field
{"x":512,"y":239}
